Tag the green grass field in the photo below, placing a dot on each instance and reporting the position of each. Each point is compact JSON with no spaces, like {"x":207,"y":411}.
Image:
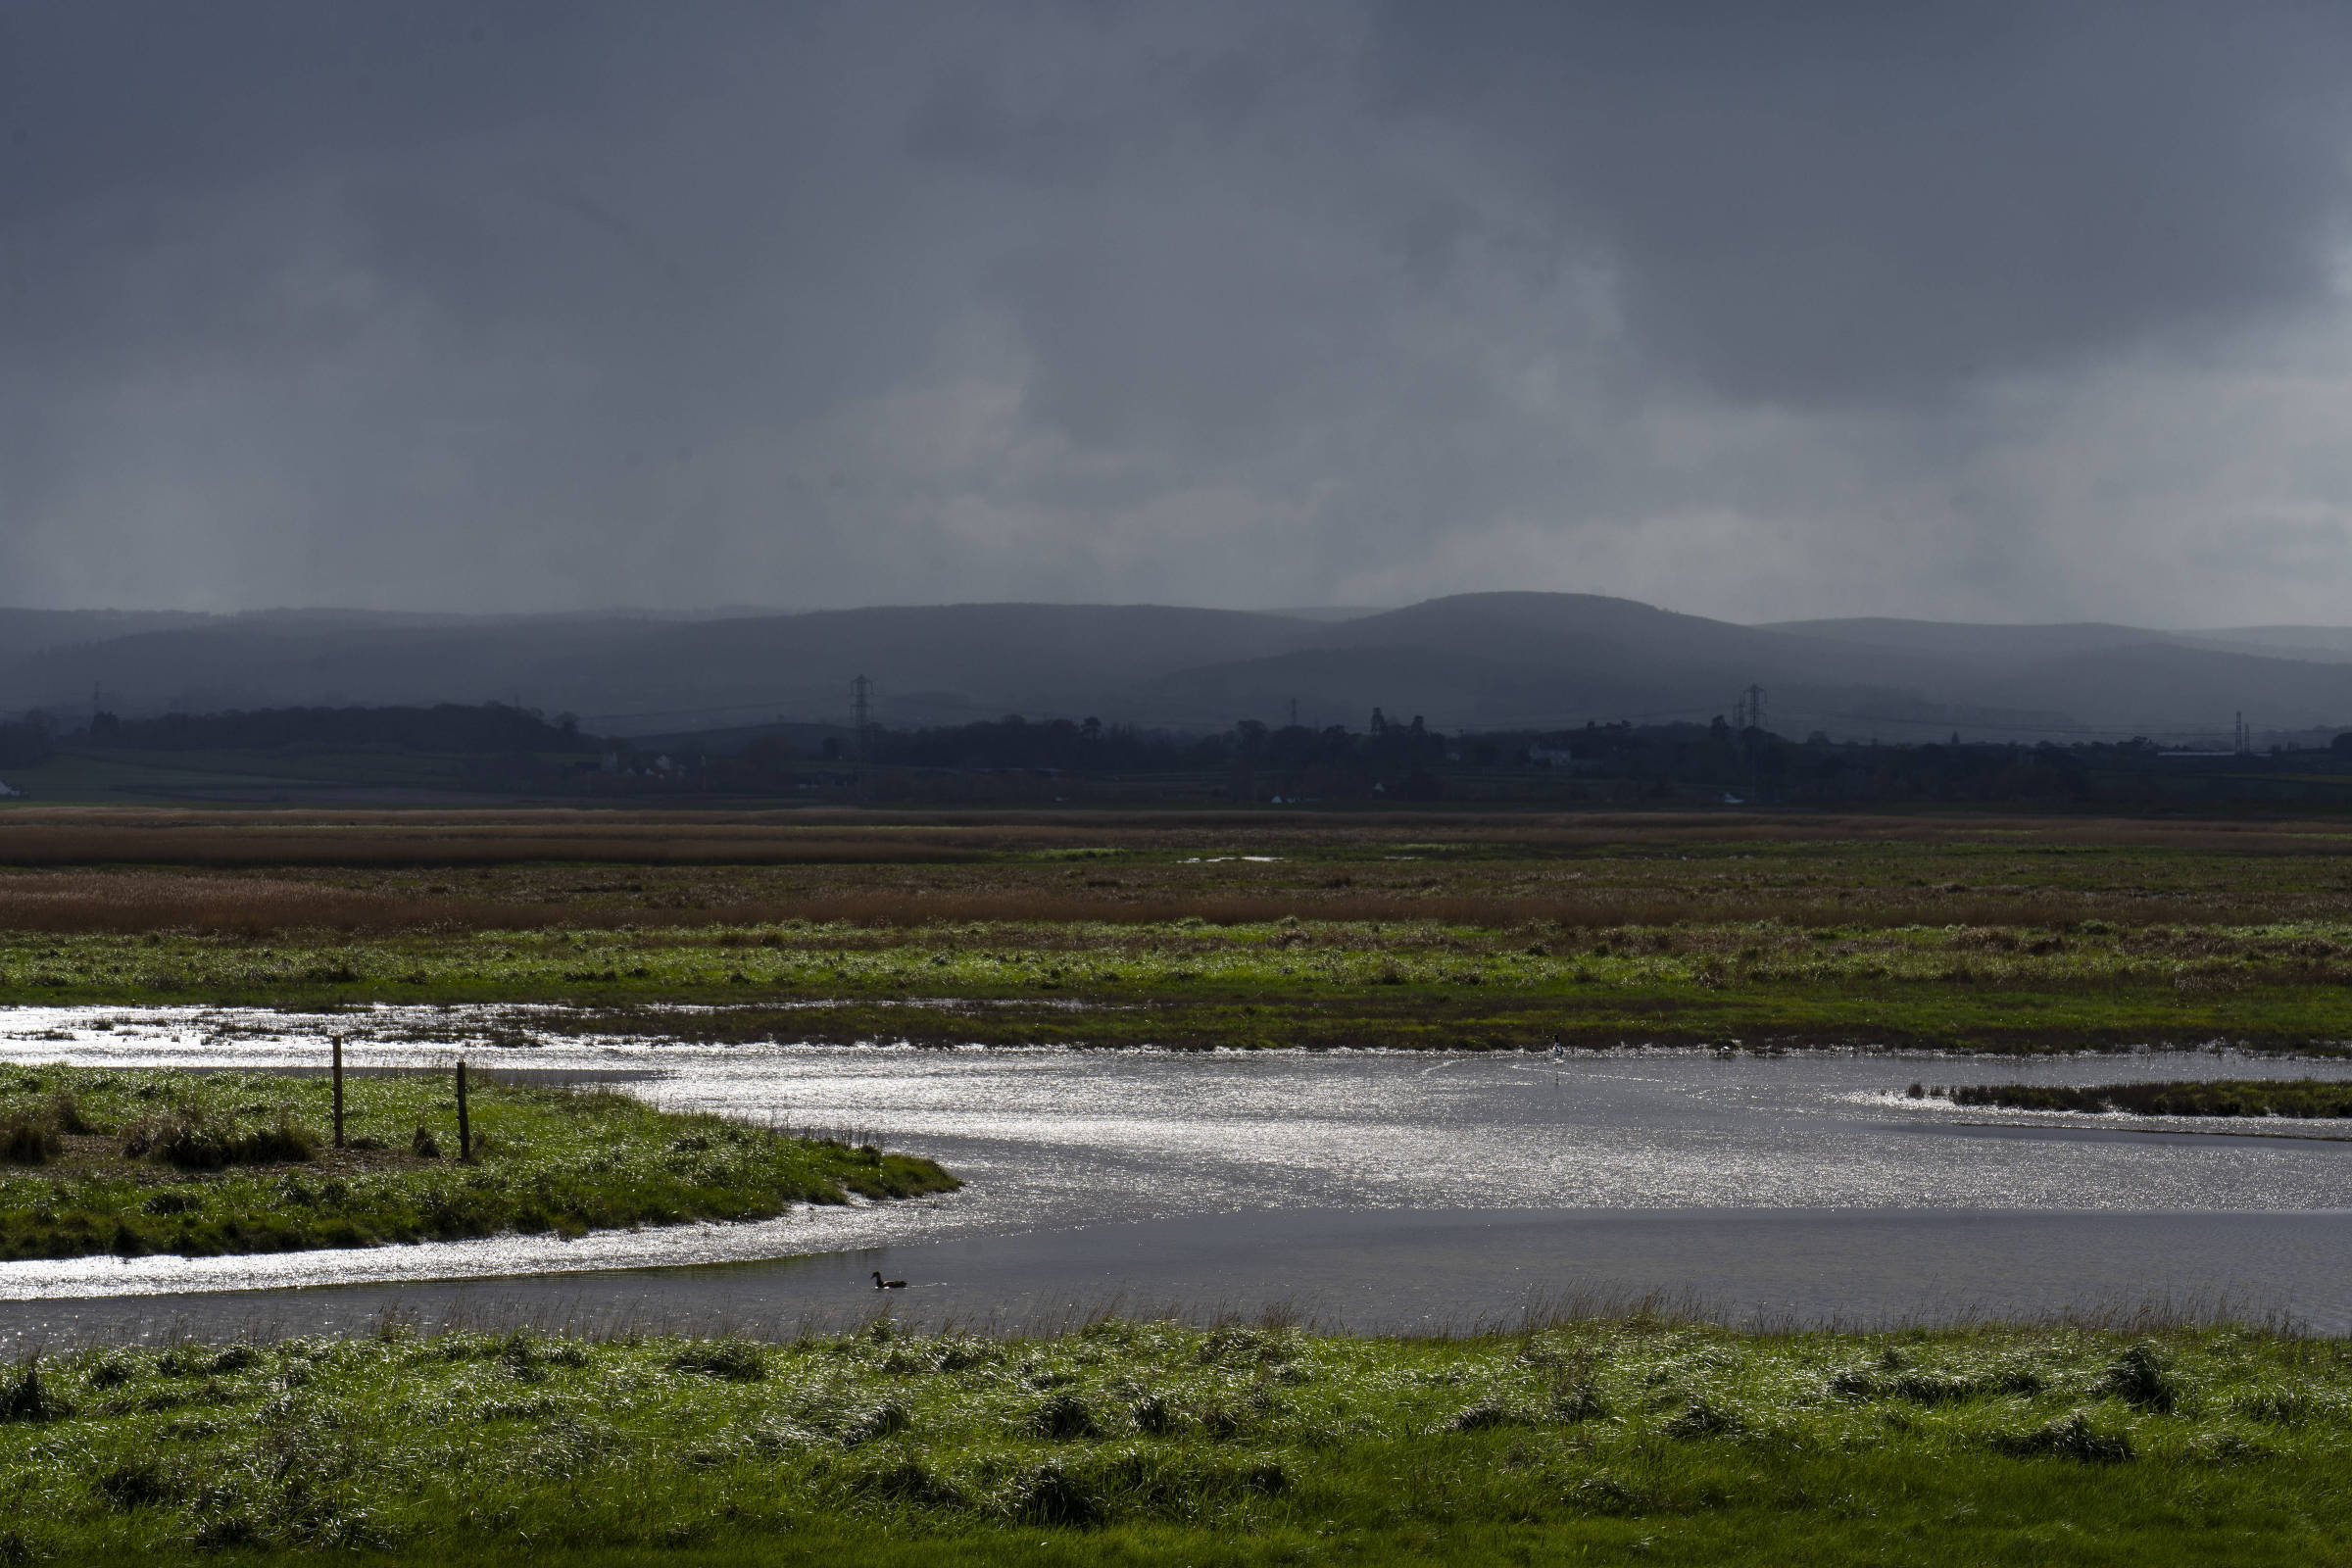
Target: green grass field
{"x":1633,"y":1441}
{"x":1294,"y":982}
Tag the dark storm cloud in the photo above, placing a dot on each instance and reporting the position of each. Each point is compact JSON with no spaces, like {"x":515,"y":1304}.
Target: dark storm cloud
{"x":1849,"y":199}
{"x":1755,"y":309}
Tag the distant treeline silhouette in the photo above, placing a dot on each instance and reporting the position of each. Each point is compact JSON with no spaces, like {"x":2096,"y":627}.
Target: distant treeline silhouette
{"x":1621,"y":764}
{"x":516,"y":751}
{"x":1091,"y":746}
{"x":24,"y":742}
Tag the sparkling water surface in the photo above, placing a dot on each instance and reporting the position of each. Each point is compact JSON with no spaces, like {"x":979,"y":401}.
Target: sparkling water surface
{"x":1363,"y":1189}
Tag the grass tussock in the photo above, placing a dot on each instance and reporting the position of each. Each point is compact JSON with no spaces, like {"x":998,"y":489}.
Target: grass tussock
{"x":185,"y":1139}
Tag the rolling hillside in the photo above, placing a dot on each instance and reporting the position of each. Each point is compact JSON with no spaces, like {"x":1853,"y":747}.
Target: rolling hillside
{"x":1482,"y":660}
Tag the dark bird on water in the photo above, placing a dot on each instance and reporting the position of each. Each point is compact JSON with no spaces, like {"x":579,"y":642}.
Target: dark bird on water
{"x":881,"y":1283}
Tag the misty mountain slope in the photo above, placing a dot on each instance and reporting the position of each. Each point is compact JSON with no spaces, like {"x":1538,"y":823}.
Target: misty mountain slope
{"x":928,"y":663}
{"x":23,"y":632}
{"x":932,"y":662}
{"x":255,"y":662}
{"x":2157,"y":687}
{"x":1633,"y":642}
{"x":1449,"y":688}
{"x":1520,"y":659}
{"x":1542,"y":661}
{"x":1962,"y":648}
{"x":2320,"y":644}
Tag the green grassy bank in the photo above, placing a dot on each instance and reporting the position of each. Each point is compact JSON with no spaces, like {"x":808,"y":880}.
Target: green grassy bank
{"x":2292,"y":1098}
{"x":99,"y":1160}
{"x":1194,"y":983}
{"x":1633,"y":1441}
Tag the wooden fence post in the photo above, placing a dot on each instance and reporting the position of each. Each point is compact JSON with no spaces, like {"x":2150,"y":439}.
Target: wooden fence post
{"x":465,"y":1127}
{"x":338,"y":1090}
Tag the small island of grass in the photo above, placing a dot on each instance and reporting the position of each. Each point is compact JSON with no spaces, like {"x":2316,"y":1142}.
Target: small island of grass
{"x":2217,"y":1096}
{"x":133,"y":1161}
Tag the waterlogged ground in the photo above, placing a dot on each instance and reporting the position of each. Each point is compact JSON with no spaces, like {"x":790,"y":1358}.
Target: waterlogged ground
{"x":1380,"y":1189}
{"x":1517,"y":980}
{"x":1198,"y":930}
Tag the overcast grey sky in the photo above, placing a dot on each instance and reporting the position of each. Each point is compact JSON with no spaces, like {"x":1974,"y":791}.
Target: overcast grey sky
{"x":2030,"y":311}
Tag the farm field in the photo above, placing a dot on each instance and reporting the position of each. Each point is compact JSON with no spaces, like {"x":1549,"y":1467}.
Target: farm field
{"x":1194,"y":931}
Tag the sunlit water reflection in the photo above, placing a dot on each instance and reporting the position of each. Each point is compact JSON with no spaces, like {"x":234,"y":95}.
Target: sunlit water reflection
{"x":1376,"y":1189}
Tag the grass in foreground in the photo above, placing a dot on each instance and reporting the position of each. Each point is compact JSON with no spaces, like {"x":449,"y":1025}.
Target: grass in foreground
{"x":142,"y":1160}
{"x":1149,"y":1443}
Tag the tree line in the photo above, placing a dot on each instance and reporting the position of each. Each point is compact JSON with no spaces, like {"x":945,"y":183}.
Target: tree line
{"x":518,"y":750}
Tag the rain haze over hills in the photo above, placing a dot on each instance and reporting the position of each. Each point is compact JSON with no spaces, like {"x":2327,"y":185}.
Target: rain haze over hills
{"x":1496,"y":661}
{"x":1984,"y":368}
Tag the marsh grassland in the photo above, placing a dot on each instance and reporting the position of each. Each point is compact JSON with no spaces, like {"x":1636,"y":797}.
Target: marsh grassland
{"x":137,"y":1162}
{"x":1638,"y":1440}
{"x":1255,"y":929}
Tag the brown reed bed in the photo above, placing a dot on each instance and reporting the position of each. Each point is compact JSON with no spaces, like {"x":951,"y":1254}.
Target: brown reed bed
{"x":131,"y":901}
{"x":224,"y":840}
{"x":240,"y":848}
{"x":101,"y":870}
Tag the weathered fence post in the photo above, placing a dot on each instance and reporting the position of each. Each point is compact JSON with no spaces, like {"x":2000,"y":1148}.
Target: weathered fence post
{"x":338,"y":1090}
{"x":465,"y":1127}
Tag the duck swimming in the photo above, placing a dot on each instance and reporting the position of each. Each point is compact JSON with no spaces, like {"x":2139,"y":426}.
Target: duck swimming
{"x":881,"y":1283}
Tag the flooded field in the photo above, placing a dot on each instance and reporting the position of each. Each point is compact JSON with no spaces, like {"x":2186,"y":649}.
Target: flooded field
{"x":1365,"y":1189}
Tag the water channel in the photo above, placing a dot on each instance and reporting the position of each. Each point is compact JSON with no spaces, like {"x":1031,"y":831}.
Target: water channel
{"x":1371,"y":1191}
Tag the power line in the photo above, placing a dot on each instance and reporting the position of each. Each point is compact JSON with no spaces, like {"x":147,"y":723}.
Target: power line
{"x":1748,"y":708}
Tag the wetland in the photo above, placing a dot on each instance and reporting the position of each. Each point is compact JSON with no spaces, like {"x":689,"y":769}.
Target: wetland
{"x":2015,"y":935}
{"x":1569,"y":1166}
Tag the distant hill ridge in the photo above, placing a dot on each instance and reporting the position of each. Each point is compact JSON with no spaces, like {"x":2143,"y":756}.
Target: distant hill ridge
{"x":1489,"y":659}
